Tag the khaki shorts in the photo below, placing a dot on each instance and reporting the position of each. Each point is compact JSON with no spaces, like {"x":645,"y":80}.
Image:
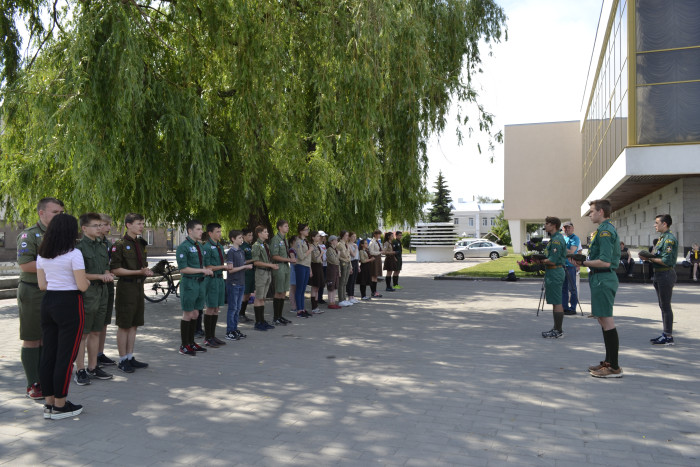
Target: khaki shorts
{"x":193,"y":293}
{"x":263,"y":278}
{"x":216,"y":292}
{"x":281,"y":278}
{"x":29,"y":303}
{"x":128,"y":303}
{"x":95,"y":300}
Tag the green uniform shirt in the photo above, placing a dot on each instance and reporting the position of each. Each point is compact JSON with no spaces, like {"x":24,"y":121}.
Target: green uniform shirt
{"x":213,"y":257}
{"x":28,"y":242}
{"x":279,"y":247}
{"x":259,"y":253}
{"x":556,"y":249}
{"x":94,"y":255}
{"x":666,"y":249}
{"x":124,"y":254}
{"x":188,"y":256}
{"x":605,"y":245}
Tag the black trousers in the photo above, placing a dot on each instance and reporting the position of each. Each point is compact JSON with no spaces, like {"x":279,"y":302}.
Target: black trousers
{"x":62,"y":321}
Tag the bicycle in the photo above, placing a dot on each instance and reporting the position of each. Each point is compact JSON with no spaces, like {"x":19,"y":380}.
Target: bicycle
{"x":158,"y":287}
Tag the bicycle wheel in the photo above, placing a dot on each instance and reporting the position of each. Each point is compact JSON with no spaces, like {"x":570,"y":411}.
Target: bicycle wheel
{"x":157,"y":290}
{"x":176,"y":288}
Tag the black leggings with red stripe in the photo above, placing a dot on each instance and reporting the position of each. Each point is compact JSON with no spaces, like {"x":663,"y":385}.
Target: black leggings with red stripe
{"x":62,"y":320}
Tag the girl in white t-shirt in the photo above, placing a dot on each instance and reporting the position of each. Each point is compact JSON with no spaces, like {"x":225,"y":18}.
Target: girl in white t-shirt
{"x":61,"y":272}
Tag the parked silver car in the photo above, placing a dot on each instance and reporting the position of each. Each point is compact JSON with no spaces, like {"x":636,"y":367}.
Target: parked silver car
{"x":480,"y":249}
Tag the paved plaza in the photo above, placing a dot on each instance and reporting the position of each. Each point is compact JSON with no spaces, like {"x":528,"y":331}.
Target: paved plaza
{"x":443,"y":372}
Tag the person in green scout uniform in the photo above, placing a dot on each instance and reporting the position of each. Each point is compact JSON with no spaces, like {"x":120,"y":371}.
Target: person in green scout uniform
{"x":263,"y":276}
{"x":249,"y":290}
{"x":665,"y":256}
{"x":192,"y":260}
{"x":215,"y":286}
{"x":603,"y":258}
{"x":398,"y":250}
{"x":279,"y":249}
{"x":95,"y":298}
{"x":28,"y":294}
{"x":128,"y":261}
{"x":102,"y":359}
{"x":554,"y":274}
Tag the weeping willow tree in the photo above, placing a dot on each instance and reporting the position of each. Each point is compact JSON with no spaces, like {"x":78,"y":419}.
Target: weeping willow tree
{"x":236,"y":110}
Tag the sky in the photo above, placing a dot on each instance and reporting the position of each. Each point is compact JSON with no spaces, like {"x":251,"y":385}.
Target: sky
{"x":537,"y":75}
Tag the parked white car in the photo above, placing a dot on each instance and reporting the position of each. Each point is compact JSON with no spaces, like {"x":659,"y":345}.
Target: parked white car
{"x":480,"y":249}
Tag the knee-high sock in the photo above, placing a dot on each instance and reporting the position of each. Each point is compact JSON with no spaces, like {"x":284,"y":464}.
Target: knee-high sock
{"x":184,"y":332}
{"x":314,"y":303}
{"x":612,"y":346}
{"x":244,"y":305}
{"x":207,"y":326}
{"x":199,"y":320}
{"x":277,"y":305}
{"x":558,"y":320}
{"x":214,"y":319}
{"x":373,"y":287}
{"x":193,"y":328}
{"x":259,"y":314}
{"x":395,"y":280}
{"x":31,"y":359}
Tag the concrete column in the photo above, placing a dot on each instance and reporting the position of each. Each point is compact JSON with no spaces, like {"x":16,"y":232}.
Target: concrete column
{"x":517,"y":234}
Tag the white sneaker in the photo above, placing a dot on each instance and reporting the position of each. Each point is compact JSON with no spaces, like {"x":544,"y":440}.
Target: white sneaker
{"x":354,"y":300}
{"x":344,"y":303}
{"x":317,"y":311}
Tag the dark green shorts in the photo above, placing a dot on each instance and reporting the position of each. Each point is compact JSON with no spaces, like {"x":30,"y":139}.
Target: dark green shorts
{"x":603,"y":289}
{"x":29,"y":303}
{"x":216,"y":292}
{"x":192,"y":293}
{"x":95,"y":300}
{"x":128,"y":303}
{"x":553,"y":283}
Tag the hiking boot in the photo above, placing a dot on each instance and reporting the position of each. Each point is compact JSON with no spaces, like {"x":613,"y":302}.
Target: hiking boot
{"x":607,"y":372}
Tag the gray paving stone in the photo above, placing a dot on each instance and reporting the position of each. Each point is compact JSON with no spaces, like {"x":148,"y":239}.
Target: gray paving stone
{"x":459,"y":378}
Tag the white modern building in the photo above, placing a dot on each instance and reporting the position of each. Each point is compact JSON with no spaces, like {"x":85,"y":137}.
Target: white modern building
{"x":473,"y":219}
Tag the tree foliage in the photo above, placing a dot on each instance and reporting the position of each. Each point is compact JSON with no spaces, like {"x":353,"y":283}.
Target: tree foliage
{"x":236,"y":110}
{"x":441,"y":210}
{"x":501,"y":230}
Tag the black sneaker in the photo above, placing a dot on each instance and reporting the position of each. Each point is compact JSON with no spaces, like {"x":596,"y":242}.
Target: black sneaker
{"x":218,"y":341}
{"x":231,"y":336}
{"x":187,"y":350}
{"x":211,"y":343}
{"x":260,"y":326}
{"x":81,"y":378}
{"x":279,"y":322}
{"x":98,"y":373}
{"x":268,"y":325}
{"x":552,"y":334}
{"x":569,"y":312}
{"x":197,"y":348}
{"x":199,"y":333}
{"x":68,"y":410}
{"x":240,"y":334}
{"x":136,"y":364}
{"x":125,"y":366}
{"x":285,"y":320}
{"x":244,"y":319}
{"x":104,"y":360}
{"x":322,"y":302}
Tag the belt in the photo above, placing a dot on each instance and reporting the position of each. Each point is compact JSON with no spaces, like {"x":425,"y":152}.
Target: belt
{"x":553,"y":267}
{"x":32,"y":284}
{"x":198,"y":279}
{"x":219,"y":274}
{"x":598,"y":271}
{"x":126,"y":279}
{"x":97,"y":283}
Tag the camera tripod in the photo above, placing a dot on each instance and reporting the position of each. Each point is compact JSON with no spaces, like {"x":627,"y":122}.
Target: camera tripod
{"x":571,"y":284}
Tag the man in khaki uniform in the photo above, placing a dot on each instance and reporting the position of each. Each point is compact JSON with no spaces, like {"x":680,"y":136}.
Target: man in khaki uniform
{"x":279,"y":251}
{"x":28,"y":294}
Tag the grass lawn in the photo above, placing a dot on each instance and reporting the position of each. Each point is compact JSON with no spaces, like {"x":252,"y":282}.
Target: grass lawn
{"x":500,"y":267}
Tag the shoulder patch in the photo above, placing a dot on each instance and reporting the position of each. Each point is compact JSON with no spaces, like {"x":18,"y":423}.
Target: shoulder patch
{"x":605,"y":233}
{"x":24,"y":235}
{"x":114,"y":248}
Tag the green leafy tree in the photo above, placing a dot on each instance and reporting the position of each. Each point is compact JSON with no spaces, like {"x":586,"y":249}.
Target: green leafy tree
{"x":441,"y":211}
{"x":238,"y":110}
{"x":501,"y":230}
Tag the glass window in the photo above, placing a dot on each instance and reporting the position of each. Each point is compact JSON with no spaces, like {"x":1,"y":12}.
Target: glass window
{"x":484,"y":222}
{"x":149,"y":237}
{"x":471,"y":222}
{"x":456,"y":220}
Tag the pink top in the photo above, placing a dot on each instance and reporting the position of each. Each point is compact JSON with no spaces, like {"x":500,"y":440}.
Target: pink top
{"x":59,"y":270}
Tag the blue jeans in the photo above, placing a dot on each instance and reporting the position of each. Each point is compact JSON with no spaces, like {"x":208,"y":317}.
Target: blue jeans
{"x":234,"y":295}
{"x":569,"y":287}
{"x":302,"y":276}
{"x":663,"y":283}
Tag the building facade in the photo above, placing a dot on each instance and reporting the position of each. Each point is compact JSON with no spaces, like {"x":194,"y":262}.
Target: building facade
{"x":640,"y":128}
{"x":473,"y":219}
